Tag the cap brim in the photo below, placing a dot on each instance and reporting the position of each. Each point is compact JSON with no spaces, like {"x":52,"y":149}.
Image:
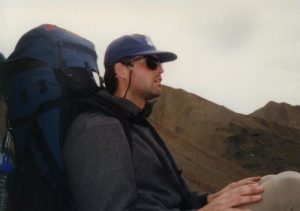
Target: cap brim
{"x":163,"y":56}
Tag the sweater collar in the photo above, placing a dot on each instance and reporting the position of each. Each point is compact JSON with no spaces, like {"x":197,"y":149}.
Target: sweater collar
{"x":128,"y":107}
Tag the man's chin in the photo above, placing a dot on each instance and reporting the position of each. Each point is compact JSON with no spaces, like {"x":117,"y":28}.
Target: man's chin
{"x":155,"y":94}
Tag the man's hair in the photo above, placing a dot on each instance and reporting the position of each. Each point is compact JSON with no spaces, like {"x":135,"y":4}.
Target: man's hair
{"x":110,"y":79}
{"x":110,"y":74}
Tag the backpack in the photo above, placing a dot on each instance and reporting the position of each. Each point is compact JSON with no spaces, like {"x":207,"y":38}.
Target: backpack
{"x":49,"y":72}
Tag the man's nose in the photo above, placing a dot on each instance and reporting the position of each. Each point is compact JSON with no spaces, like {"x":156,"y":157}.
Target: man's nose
{"x":160,"y":68}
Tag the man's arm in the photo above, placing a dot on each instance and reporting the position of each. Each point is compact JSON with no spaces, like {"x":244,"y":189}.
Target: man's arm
{"x":99,"y":167}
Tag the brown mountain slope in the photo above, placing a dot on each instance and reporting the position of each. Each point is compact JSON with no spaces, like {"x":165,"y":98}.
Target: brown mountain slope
{"x":203,"y":170}
{"x":197,"y":120}
{"x":217,"y":135}
{"x":280,"y":113}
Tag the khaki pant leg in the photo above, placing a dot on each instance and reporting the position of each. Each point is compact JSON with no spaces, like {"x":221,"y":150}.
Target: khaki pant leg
{"x":281,"y":193}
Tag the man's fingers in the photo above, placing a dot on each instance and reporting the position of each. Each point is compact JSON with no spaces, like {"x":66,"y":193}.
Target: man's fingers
{"x":231,"y":202}
{"x":231,"y":198}
{"x":250,"y":189}
{"x":250,"y":180}
{"x":246,"y":181}
{"x":242,"y":195}
{"x":246,"y":200}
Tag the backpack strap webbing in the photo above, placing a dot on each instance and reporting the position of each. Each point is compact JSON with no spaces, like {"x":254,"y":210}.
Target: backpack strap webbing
{"x":55,"y":179}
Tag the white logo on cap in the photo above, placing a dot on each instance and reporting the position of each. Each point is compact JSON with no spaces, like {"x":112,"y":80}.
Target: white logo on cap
{"x":148,"y":41}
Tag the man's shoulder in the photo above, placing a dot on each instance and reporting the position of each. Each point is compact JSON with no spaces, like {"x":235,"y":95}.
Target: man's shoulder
{"x":92,"y":123}
{"x":94,"y":118}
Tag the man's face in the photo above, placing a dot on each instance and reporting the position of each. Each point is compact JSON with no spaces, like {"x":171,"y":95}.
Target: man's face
{"x":146,"y":78}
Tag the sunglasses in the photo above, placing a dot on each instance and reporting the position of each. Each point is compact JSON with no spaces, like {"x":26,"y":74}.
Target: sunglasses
{"x":151,"y":61}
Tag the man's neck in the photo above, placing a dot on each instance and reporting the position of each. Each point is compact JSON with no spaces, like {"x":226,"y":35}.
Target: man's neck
{"x":135,"y":100}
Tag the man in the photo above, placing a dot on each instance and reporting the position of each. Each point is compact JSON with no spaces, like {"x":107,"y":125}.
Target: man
{"x":121,"y":163}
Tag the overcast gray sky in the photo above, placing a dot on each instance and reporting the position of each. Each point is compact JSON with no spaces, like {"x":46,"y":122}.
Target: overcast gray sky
{"x":236,"y":53}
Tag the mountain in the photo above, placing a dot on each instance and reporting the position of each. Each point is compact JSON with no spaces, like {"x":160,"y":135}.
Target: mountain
{"x":214,"y":145}
{"x":280,"y":113}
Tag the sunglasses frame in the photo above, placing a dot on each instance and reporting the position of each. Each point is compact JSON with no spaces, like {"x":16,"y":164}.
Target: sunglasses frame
{"x":151,"y":62}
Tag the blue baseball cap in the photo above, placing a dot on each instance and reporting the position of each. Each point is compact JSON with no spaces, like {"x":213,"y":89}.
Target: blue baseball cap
{"x":133,"y":45}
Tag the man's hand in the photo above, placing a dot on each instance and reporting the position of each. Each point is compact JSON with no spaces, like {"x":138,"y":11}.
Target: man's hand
{"x":246,"y":181}
{"x":238,"y":193}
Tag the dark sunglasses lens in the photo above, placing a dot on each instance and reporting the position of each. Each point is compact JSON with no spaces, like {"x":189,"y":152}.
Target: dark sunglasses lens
{"x":152,"y":63}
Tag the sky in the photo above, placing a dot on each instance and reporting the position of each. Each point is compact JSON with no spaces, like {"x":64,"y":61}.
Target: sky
{"x":236,"y":53}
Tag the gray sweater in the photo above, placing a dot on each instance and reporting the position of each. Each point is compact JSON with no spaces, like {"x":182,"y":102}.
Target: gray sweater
{"x":111,"y":170}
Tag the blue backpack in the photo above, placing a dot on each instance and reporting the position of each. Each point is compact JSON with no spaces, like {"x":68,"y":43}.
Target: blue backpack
{"x":50,"y":71}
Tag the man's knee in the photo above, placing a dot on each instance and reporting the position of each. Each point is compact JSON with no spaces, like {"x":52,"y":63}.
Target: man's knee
{"x":288,"y":179}
{"x":288,"y":184}
{"x":281,"y":192}
{"x":285,"y":178}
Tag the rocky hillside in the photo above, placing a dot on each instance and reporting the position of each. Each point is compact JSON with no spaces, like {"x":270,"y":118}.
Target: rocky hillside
{"x":280,"y":113}
{"x":215,"y":145}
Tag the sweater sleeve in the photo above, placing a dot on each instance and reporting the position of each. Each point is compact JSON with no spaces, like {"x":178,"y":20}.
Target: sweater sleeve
{"x":97,"y":156}
{"x":196,"y":199}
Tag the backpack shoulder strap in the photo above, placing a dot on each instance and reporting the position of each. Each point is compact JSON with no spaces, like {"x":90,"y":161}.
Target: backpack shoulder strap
{"x":127,"y":128}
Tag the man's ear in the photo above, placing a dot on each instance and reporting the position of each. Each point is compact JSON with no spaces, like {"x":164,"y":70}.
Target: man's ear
{"x":121,"y":71}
